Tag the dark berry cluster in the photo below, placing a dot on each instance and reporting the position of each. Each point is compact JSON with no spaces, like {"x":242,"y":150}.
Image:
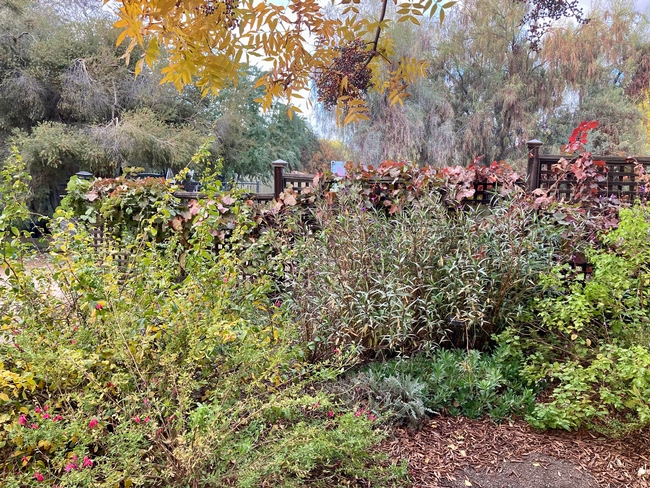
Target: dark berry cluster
{"x":543,"y":13}
{"x":210,"y":7}
{"x":351,"y":62}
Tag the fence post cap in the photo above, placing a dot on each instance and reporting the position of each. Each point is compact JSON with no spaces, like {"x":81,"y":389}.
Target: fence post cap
{"x":534,"y":143}
{"x":84,"y":175}
{"x":279,"y":163}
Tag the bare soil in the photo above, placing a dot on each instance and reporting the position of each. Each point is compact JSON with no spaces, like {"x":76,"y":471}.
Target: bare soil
{"x":461,"y":453}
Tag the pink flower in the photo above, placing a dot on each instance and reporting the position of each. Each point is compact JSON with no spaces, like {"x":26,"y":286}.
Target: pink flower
{"x":73,"y":341}
{"x":33,"y":426}
{"x":316,"y":405}
{"x":22,"y":420}
{"x":88,"y":463}
{"x":330,"y":414}
{"x":38,"y":410}
{"x":359,"y":413}
{"x":371,"y":417}
{"x":56,"y":418}
{"x":46,"y":408}
{"x":69,"y":467}
{"x":93,"y":423}
{"x":46,"y":415}
{"x":39,"y":477}
{"x":336,"y":351}
{"x":146,"y":419}
{"x":99,"y":306}
{"x":136,"y":419}
{"x":278,"y":303}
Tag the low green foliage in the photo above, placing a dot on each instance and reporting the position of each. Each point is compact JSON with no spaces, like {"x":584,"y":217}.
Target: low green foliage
{"x":454,"y":382}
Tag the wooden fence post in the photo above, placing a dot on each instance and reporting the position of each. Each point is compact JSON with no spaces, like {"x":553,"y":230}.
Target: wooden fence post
{"x":533,"y":163}
{"x":278,"y":177}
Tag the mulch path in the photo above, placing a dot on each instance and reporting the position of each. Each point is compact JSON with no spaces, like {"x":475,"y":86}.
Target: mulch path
{"x":446,"y":449}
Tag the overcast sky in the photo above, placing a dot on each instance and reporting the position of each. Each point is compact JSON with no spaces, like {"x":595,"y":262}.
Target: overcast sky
{"x":642,"y":5}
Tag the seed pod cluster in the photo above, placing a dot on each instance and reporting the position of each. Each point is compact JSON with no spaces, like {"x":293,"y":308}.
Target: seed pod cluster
{"x":544,"y":13}
{"x":225,"y":9}
{"x":351,"y":62}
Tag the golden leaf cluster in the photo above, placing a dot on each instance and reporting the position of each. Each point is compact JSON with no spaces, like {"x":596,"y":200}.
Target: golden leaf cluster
{"x":210,"y":42}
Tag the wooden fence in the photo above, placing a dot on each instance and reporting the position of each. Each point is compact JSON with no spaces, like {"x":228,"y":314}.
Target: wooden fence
{"x":281,"y":180}
{"x":621,"y":177}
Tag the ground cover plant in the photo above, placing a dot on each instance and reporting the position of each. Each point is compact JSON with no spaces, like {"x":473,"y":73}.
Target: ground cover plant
{"x":452,"y":382}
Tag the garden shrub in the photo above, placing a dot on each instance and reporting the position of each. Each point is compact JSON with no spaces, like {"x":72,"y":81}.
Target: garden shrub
{"x":417,"y":279}
{"x":128,"y":376}
{"x":591,"y":341}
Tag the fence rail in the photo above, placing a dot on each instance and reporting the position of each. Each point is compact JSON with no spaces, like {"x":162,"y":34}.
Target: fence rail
{"x":621,"y":176}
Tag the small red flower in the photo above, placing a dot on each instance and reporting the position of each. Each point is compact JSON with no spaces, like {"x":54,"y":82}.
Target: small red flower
{"x":38,"y":410}
{"x":46,"y":408}
{"x":330,"y":414}
{"x":56,"y":418}
{"x":46,"y":415}
{"x":93,"y":423}
{"x":69,"y":467}
{"x":22,"y":420}
{"x":136,"y":419}
{"x":146,"y":419}
{"x":99,"y":306}
{"x":87,"y":463}
{"x":38,"y":477}
{"x":33,"y":426}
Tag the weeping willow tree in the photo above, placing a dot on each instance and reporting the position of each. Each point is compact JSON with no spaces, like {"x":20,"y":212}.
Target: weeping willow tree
{"x":487,"y":92}
{"x":605,"y":66}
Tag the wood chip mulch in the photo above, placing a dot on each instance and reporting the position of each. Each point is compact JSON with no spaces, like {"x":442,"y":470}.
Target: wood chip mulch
{"x":445,"y":445}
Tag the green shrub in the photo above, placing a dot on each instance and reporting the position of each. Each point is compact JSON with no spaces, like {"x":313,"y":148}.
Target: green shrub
{"x":127,"y":376}
{"x":417,"y":279}
{"x":590,"y":343}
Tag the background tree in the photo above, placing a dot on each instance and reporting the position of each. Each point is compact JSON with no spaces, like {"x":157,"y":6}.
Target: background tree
{"x":486,"y":92}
